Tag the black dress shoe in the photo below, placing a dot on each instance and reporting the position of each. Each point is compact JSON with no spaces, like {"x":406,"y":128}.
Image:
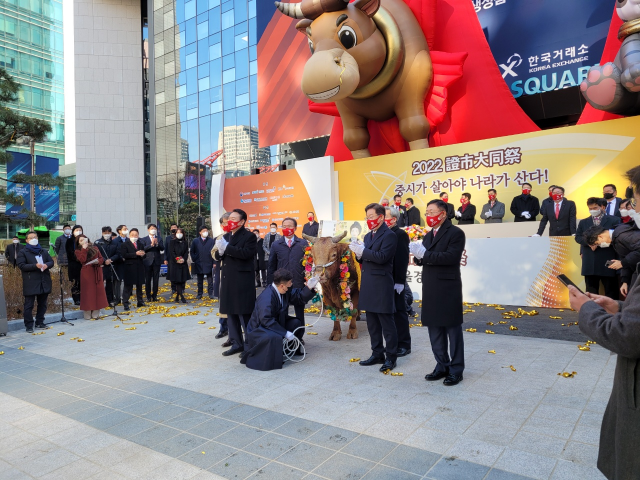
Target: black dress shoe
{"x":436,"y":375}
{"x":149,"y":299}
{"x":29,"y":330}
{"x":141,"y":304}
{"x":372,"y":360}
{"x":452,"y":380}
{"x":126,"y":306}
{"x":232,"y":351}
{"x":41,"y":326}
{"x":183,"y":299}
{"x":222,"y":333}
{"x":402,"y":352}
{"x":154,"y":299}
{"x":388,"y":365}
{"x":226,"y":344}
{"x":199,"y":296}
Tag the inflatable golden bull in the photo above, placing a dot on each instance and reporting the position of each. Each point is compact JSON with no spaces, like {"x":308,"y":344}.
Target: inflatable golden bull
{"x":369,"y":57}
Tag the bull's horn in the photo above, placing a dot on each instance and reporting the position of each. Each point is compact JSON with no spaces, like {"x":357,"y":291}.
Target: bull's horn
{"x":309,"y":238}
{"x":292,"y":10}
{"x":337,"y":238}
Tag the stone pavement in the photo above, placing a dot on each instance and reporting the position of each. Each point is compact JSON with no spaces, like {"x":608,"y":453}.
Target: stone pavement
{"x":151,"y":403}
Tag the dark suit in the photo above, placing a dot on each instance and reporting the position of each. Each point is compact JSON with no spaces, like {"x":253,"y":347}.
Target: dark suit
{"x":564,"y":225}
{"x":152,"y":261}
{"x":118,"y":264}
{"x":167,"y":245}
{"x":400,"y":266}
{"x":261,"y":264}
{"x":133,"y":271}
{"x":594,"y":267}
{"x":269,"y":323}
{"x":11,"y":253}
{"x":376,"y":291}
{"x":615,"y":205}
{"x":202,"y":263}
{"x":442,"y":296}
{"x":412,"y":216}
{"x":451,"y":212}
{"x":36,"y":284}
{"x":626,"y":242}
{"x":525,"y":203}
{"x":467,"y":217}
{"x":311,"y":229}
{"x":110,"y":250}
{"x":402,"y":221}
{"x":237,"y":290}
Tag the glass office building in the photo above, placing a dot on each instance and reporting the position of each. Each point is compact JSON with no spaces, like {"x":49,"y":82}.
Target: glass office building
{"x":205,"y":89}
{"x":31,"y":51}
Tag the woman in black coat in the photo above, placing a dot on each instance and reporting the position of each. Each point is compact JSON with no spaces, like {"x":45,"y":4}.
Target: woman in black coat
{"x":74,"y":266}
{"x":179,"y":271}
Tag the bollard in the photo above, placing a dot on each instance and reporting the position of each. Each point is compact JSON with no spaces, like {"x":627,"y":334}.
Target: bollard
{"x":4,"y":325}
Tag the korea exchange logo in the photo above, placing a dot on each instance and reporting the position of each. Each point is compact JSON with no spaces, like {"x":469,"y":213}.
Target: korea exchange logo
{"x":514,"y":61}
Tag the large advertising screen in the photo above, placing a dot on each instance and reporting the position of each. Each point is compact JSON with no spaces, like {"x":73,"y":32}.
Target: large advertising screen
{"x":545,"y":45}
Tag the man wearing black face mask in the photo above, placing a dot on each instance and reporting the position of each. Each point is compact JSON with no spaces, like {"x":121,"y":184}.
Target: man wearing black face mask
{"x":610,"y":193}
{"x":167,"y":243}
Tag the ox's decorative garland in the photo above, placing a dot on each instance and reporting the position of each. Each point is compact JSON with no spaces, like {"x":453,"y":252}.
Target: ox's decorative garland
{"x":347,"y":312}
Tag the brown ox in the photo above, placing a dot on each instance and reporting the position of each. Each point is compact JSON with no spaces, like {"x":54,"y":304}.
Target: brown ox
{"x":371,"y":58}
{"x":328,"y":251}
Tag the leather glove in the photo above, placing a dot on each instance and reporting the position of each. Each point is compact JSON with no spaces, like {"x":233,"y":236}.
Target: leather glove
{"x":488,"y":214}
{"x":357,"y":248}
{"x":417,"y":249}
{"x":398,"y":287}
{"x":312,"y":282}
{"x":290,"y":336}
{"x":536,"y":235}
{"x":458,"y":214}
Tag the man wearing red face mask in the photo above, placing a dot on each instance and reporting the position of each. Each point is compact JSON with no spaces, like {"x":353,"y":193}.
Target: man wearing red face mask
{"x":466,"y":213}
{"x":376,"y":287}
{"x":237,"y":290}
{"x":547,"y":200}
{"x":451,"y":211}
{"x":310,"y":228}
{"x":412,"y":214}
{"x":525,"y":207}
{"x":287,"y":253}
{"x":560,"y":214}
{"x":397,"y":204}
{"x":439,"y":254}
{"x":493,"y":210}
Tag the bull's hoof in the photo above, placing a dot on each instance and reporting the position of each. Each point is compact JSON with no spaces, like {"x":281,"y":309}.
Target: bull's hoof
{"x":352,"y":333}
{"x":336,"y":335}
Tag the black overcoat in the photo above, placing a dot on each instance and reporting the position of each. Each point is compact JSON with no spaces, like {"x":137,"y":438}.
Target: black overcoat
{"x":451,"y":211}
{"x":412,"y":216}
{"x":34,"y":281}
{"x":237,"y":276}
{"x":261,"y":263}
{"x":281,"y":256}
{"x":268,"y":325}
{"x":179,"y":272}
{"x":118,"y":262}
{"x":73,"y":265}
{"x":400,"y":266}
{"x":311,"y":229}
{"x":525,"y":203}
{"x":468,"y":217}
{"x":376,"y":284}
{"x":133,"y":264}
{"x":201,"y":259}
{"x":441,"y":279}
{"x":109,"y":249}
{"x":626,"y":242}
{"x":593,"y":261}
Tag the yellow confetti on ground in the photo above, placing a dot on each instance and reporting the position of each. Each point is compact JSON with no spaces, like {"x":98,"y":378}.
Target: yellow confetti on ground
{"x":2,"y":352}
{"x":567,"y":374}
{"x":513,"y":369}
{"x":490,"y":323}
{"x":355,"y":360}
{"x":312,"y":333}
{"x":552,"y":317}
{"x":116,"y":326}
{"x":590,"y":342}
{"x":171,"y":331}
{"x":212,"y":328}
{"x":397,"y":374}
{"x":60,"y":334}
{"x":201,"y":322}
{"x":512,"y":327}
{"x":20,"y":348}
{"x":130,"y":328}
{"x":491,"y":351}
{"x":489,"y":332}
{"x":584,"y":348}
{"x":471,"y":330}
{"x":80,"y":340}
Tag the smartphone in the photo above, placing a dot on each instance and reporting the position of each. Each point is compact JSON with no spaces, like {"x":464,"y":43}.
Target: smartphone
{"x":608,"y":263}
{"x":566,"y":282}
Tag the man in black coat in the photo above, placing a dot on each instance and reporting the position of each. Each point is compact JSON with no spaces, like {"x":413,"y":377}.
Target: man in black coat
{"x":153,"y":247}
{"x":400,"y":266}
{"x":287,"y":252}
{"x":311,"y":228}
{"x":451,"y":211}
{"x":59,"y":247}
{"x":35,"y":263}
{"x":202,"y":261}
{"x":439,"y":254}
{"x":261,"y":264}
{"x":237,"y":291}
{"x":110,"y":251}
{"x":173,"y":228}
{"x":12,"y":251}
{"x":560,"y":214}
{"x":525,"y":207}
{"x":609,"y":193}
{"x":132,"y":251}
{"x":548,"y":199}
{"x":412,"y":214}
{"x":118,"y":263}
{"x":595,"y":258}
{"x":397,"y":204}
{"x":466,"y":212}
{"x":270,"y":322}
{"x":376,"y":287}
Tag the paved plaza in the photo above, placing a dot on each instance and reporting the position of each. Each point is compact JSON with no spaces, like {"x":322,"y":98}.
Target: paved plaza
{"x":160,"y":402}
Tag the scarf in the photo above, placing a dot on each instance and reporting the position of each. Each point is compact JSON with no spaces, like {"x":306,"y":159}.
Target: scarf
{"x":35,"y":249}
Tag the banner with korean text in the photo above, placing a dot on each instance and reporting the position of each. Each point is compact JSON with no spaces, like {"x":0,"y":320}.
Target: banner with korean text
{"x":48,"y":198}
{"x":581,"y":158}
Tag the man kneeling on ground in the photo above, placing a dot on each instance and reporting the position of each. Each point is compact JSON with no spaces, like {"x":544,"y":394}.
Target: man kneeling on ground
{"x":270,"y":322}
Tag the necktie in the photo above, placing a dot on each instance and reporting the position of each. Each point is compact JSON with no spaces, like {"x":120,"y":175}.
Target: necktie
{"x":434,"y":233}
{"x":135,"y":245}
{"x":557,"y":210}
{"x":289,"y":245}
{"x":15,"y":253}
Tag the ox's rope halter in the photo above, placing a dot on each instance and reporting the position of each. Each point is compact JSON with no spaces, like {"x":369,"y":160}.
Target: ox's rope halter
{"x":290,"y":347}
